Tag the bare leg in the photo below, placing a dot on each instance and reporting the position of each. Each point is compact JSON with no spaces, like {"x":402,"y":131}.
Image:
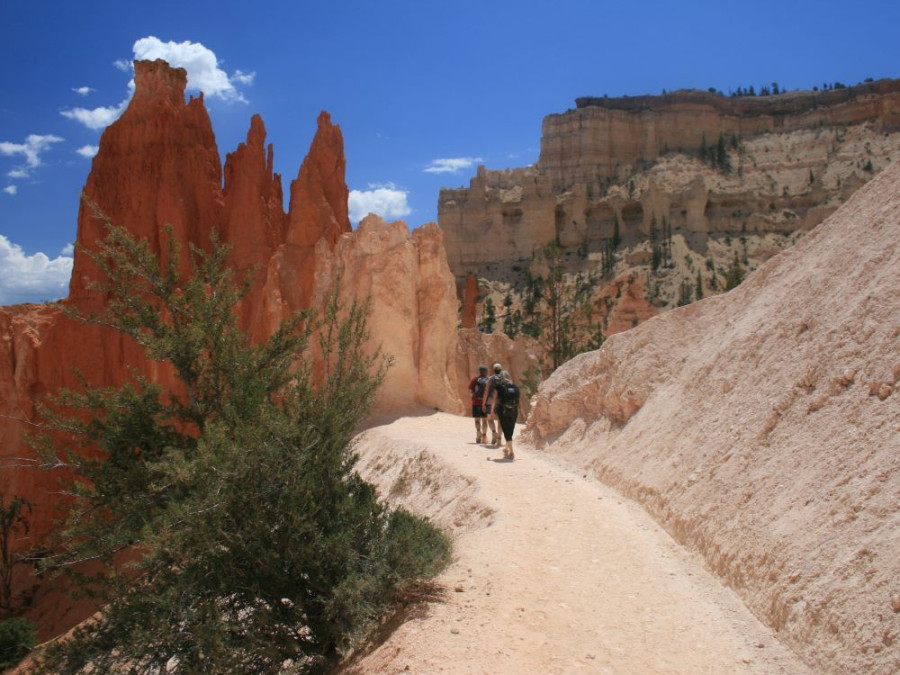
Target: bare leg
{"x":493,"y":423}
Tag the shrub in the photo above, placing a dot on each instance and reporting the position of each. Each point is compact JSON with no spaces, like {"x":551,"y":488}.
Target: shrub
{"x":17,"y":638}
{"x":259,"y":543}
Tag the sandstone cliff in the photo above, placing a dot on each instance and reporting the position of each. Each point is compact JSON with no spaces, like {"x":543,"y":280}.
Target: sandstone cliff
{"x":760,"y":428}
{"x":665,"y":191}
{"x":158,"y":167}
{"x":414,"y":312}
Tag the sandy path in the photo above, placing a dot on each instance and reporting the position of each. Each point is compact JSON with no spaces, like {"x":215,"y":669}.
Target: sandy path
{"x":570,"y":577}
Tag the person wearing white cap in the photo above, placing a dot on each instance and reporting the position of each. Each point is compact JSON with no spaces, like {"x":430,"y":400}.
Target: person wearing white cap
{"x":493,"y":422}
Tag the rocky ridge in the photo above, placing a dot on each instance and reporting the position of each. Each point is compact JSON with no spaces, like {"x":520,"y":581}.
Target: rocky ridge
{"x":651,"y":198}
{"x":760,"y":428}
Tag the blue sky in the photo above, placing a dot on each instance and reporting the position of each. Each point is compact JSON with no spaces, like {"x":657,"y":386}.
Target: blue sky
{"x":423,"y":91}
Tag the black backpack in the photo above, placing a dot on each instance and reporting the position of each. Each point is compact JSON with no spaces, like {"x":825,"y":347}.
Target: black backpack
{"x":480,"y":383}
{"x":508,"y":394}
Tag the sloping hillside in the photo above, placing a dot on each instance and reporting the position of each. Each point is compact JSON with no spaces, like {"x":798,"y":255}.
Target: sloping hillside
{"x":762,"y":429}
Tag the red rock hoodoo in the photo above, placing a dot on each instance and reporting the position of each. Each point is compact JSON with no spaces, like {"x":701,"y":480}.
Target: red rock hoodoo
{"x":158,"y":167}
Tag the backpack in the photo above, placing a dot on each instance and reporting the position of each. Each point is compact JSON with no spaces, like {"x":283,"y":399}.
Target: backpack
{"x":478,"y":389}
{"x":508,"y":394}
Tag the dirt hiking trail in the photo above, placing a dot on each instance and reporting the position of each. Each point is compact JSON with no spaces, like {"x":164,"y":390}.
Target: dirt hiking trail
{"x":560,"y":574}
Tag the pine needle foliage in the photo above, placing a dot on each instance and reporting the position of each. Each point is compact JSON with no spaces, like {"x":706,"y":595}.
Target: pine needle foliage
{"x":230,"y":528}
{"x":566,"y":322}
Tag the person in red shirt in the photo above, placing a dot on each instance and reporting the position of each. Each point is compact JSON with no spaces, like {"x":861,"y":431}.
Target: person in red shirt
{"x":477,"y":386}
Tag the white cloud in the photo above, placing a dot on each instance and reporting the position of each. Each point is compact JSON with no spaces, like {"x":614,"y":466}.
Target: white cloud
{"x":82,"y":91}
{"x":11,"y":189}
{"x":385,"y":200}
{"x":203,"y":72}
{"x":88,"y":151}
{"x":451,"y":165}
{"x":31,"y":150}
{"x":241,"y":77}
{"x":96,"y":118}
{"x":31,"y":278}
{"x":68,"y":249}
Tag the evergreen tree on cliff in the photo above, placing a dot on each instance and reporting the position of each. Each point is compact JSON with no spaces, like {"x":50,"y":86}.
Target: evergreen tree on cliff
{"x":227,"y":527}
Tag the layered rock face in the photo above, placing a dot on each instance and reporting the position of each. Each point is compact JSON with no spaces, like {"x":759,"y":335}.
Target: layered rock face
{"x":666,"y":190}
{"x":413,"y":307}
{"x":606,"y":138}
{"x":158,"y":167}
{"x":760,"y":428}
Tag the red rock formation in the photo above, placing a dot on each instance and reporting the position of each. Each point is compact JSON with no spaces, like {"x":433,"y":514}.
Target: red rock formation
{"x":255,"y":222}
{"x":159,"y":165}
{"x":470,"y":298}
{"x":629,"y":305}
{"x":319,"y":196}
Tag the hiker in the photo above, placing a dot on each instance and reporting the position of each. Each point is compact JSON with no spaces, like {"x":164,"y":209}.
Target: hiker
{"x":493,"y":382}
{"x":506,"y":408}
{"x":478,"y":385}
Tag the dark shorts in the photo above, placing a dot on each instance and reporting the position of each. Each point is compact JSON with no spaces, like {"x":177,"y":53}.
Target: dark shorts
{"x":478,"y":411}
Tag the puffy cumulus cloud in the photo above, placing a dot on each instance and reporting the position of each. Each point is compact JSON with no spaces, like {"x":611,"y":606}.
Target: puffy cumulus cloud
{"x":386,"y":200}
{"x":31,"y":278}
{"x":203,"y":74}
{"x":30,"y":150}
{"x":82,"y":91}
{"x":88,"y":151}
{"x":68,"y":249}
{"x":11,"y":189}
{"x":452,"y":165}
{"x":201,"y":64}
{"x":96,"y":118}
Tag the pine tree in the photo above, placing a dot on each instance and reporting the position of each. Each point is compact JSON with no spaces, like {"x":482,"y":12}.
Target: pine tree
{"x":566,"y":323}
{"x":14,"y":522}
{"x":735,"y":274}
{"x":722,"y":160}
{"x":685,"y":293}
{"x":489,"y":317}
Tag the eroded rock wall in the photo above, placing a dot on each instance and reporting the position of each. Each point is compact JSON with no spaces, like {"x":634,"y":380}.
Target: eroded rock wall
{"x":413,"y":307}
{"x":760,"y":428}
{"x":697,"y":176}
